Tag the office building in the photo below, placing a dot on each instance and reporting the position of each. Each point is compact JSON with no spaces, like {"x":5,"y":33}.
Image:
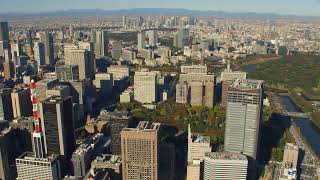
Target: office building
{"x":142,"y":40}
{"x":290,"y":162}
{"x":4,"y":34}
{"x":244,"y":109}
{"x":9,"y":70}
{"x":117,"y":121}
{"x":84,"y":59}
{"x":181,"y":38}
{"x":124,"y":21}
{"x":146,"y":53}
{"x":182,"y":93}
{"x":4,"y":156}
{"x":197,"y":147}
{"x":47,"y":40}
{"x":43,"y":86}
{"x":67,"y":72}
{"x":104,"y":82}
{"x":6,"y":112}
{"x":83,"y":155}
{"x":153,"y":38}
{"x":119,"y":72}
{"x":89,"y":46}
{"x":145,"y":86}
{"x":185,"y":69}
{"x":21,"y":104}
{"x":39,"y":53}
{"x":116,"y":51}
{"x":127,"y":95}
{"x":112,"y":164}
{"x":163,"y":51}
{"x":1,"y":49}
{"x":29,"y":167}
{"x":129,"y":55}
{"x":71,"y":31}
{"x":56,"y":116}
{"x":101,"y":43}
{"x":225,"y":166}
{"x":59,"y":90}
{"x":140,"y":151}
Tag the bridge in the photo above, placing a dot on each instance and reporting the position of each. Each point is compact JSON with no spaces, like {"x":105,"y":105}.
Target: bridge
{"x":296,"y":114}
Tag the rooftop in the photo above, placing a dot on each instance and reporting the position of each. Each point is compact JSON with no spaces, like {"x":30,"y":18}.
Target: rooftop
{"x":225,"y":156}
{"x":30,"y":156}
{"x":88,"y":144}
{"x":200,"y":139}
{"x":108,"y":159}
{"x":247,"y":84}
{"x":145,"y":126}
{"x":115,"y":115}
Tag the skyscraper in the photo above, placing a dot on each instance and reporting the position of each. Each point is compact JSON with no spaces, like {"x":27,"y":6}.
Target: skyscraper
{"x":47,"y":40}
{"x":124,"y":21}
{"x":142,"y":40}
{"x":71,"y":31}
{"x":116,"y":49}
{"x":181,"y":38}
{"x":67,"y":72}
{"x":84,"y":59}
{"x":153,"y":37}
{"x":224,"y":166}
{"x":4,"y":34}
{"x":39,"y":53}
{"x":57,"y":125}
{"x":29,"y":37}
{"x":145,"y":86}
{"x":5,"y":104}
{"x":140,"y":151}
{"x":101,"y":43}
{"x":244,"y":109}
{"x":21,"y":104}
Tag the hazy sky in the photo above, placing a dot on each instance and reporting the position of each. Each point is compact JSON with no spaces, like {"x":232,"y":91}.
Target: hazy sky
{"x":299,"y":7}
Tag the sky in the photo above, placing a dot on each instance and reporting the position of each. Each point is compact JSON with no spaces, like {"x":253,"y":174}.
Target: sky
{"x":296,"y":7}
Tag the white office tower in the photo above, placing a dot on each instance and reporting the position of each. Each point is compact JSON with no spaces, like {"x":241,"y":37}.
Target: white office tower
{"x":32,"y":168}
{"x":225,"y":166}
{"x":198,"y":146}
{"x":145,"y":86}
{"x":244,"y":108}
{"x":142,"y":40}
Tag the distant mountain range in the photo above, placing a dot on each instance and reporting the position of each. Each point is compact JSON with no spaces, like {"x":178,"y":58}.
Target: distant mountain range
{"x":154,"y":12}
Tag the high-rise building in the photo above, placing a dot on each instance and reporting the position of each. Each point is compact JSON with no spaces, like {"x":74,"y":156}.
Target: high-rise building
{"x":140,"y":151}
{"x":117,"y":121}
{"x":142,"y":40}
{"x":116,"y":49}
{"x":4,"y":34}
{"x":67,"y":72}
{"x":8,"y":68}
{"x":124,"y":21}
{"x":30,"y":167}
{"x":153,"y":38}
{"x":181,"y":38}
{"x":43,"y":86}
{"x":244,"y":109}
{"x":21,"y":104}
{"x":1,"y":49}
{"x":145,"y":86}
{"x":47,"y":39}
{"x":146,"y":53}
{"x":182,"y":93}
{"x":6,"y":112}
{"x":83,"y":155}
{"x":39,"y":53}
{"x":119,"y":72}
{"x":104,"y":82}
{"x":101,"y":43}
{"x":86,"y":46}
{"x":16,"y":52}
{"x":225,"y":166}
{"x":202,"y":93}
{"x":29,"y":37}
{"x":71,"y":31}
{"x":129,"y":55}
{"x":84,"y":59}
{"x":197,"y":147}
{"x":57,"y":124}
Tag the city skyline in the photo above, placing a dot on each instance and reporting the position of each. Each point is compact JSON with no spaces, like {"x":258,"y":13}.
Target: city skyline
{"x":293,"y":7}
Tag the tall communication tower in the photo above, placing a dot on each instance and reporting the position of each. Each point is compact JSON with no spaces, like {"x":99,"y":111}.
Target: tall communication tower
{"x":38,"y":146}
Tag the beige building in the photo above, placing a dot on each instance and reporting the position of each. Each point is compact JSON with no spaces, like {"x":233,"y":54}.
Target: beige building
{"x":197,"y":147}
{"x":140,"y":151}
{"x":145,"y":86}
{"x":119,"y":72}
{"x":43,"y":86}
{"x":21,"y":103}
{"x":84,"y":59}
{"x":104,"y":82}
{"x":129,"y":55}
{"x":186,"y":69}
{"x":127,"y":95}
{"x":182,"y":93}
{"x":59,"y":90}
